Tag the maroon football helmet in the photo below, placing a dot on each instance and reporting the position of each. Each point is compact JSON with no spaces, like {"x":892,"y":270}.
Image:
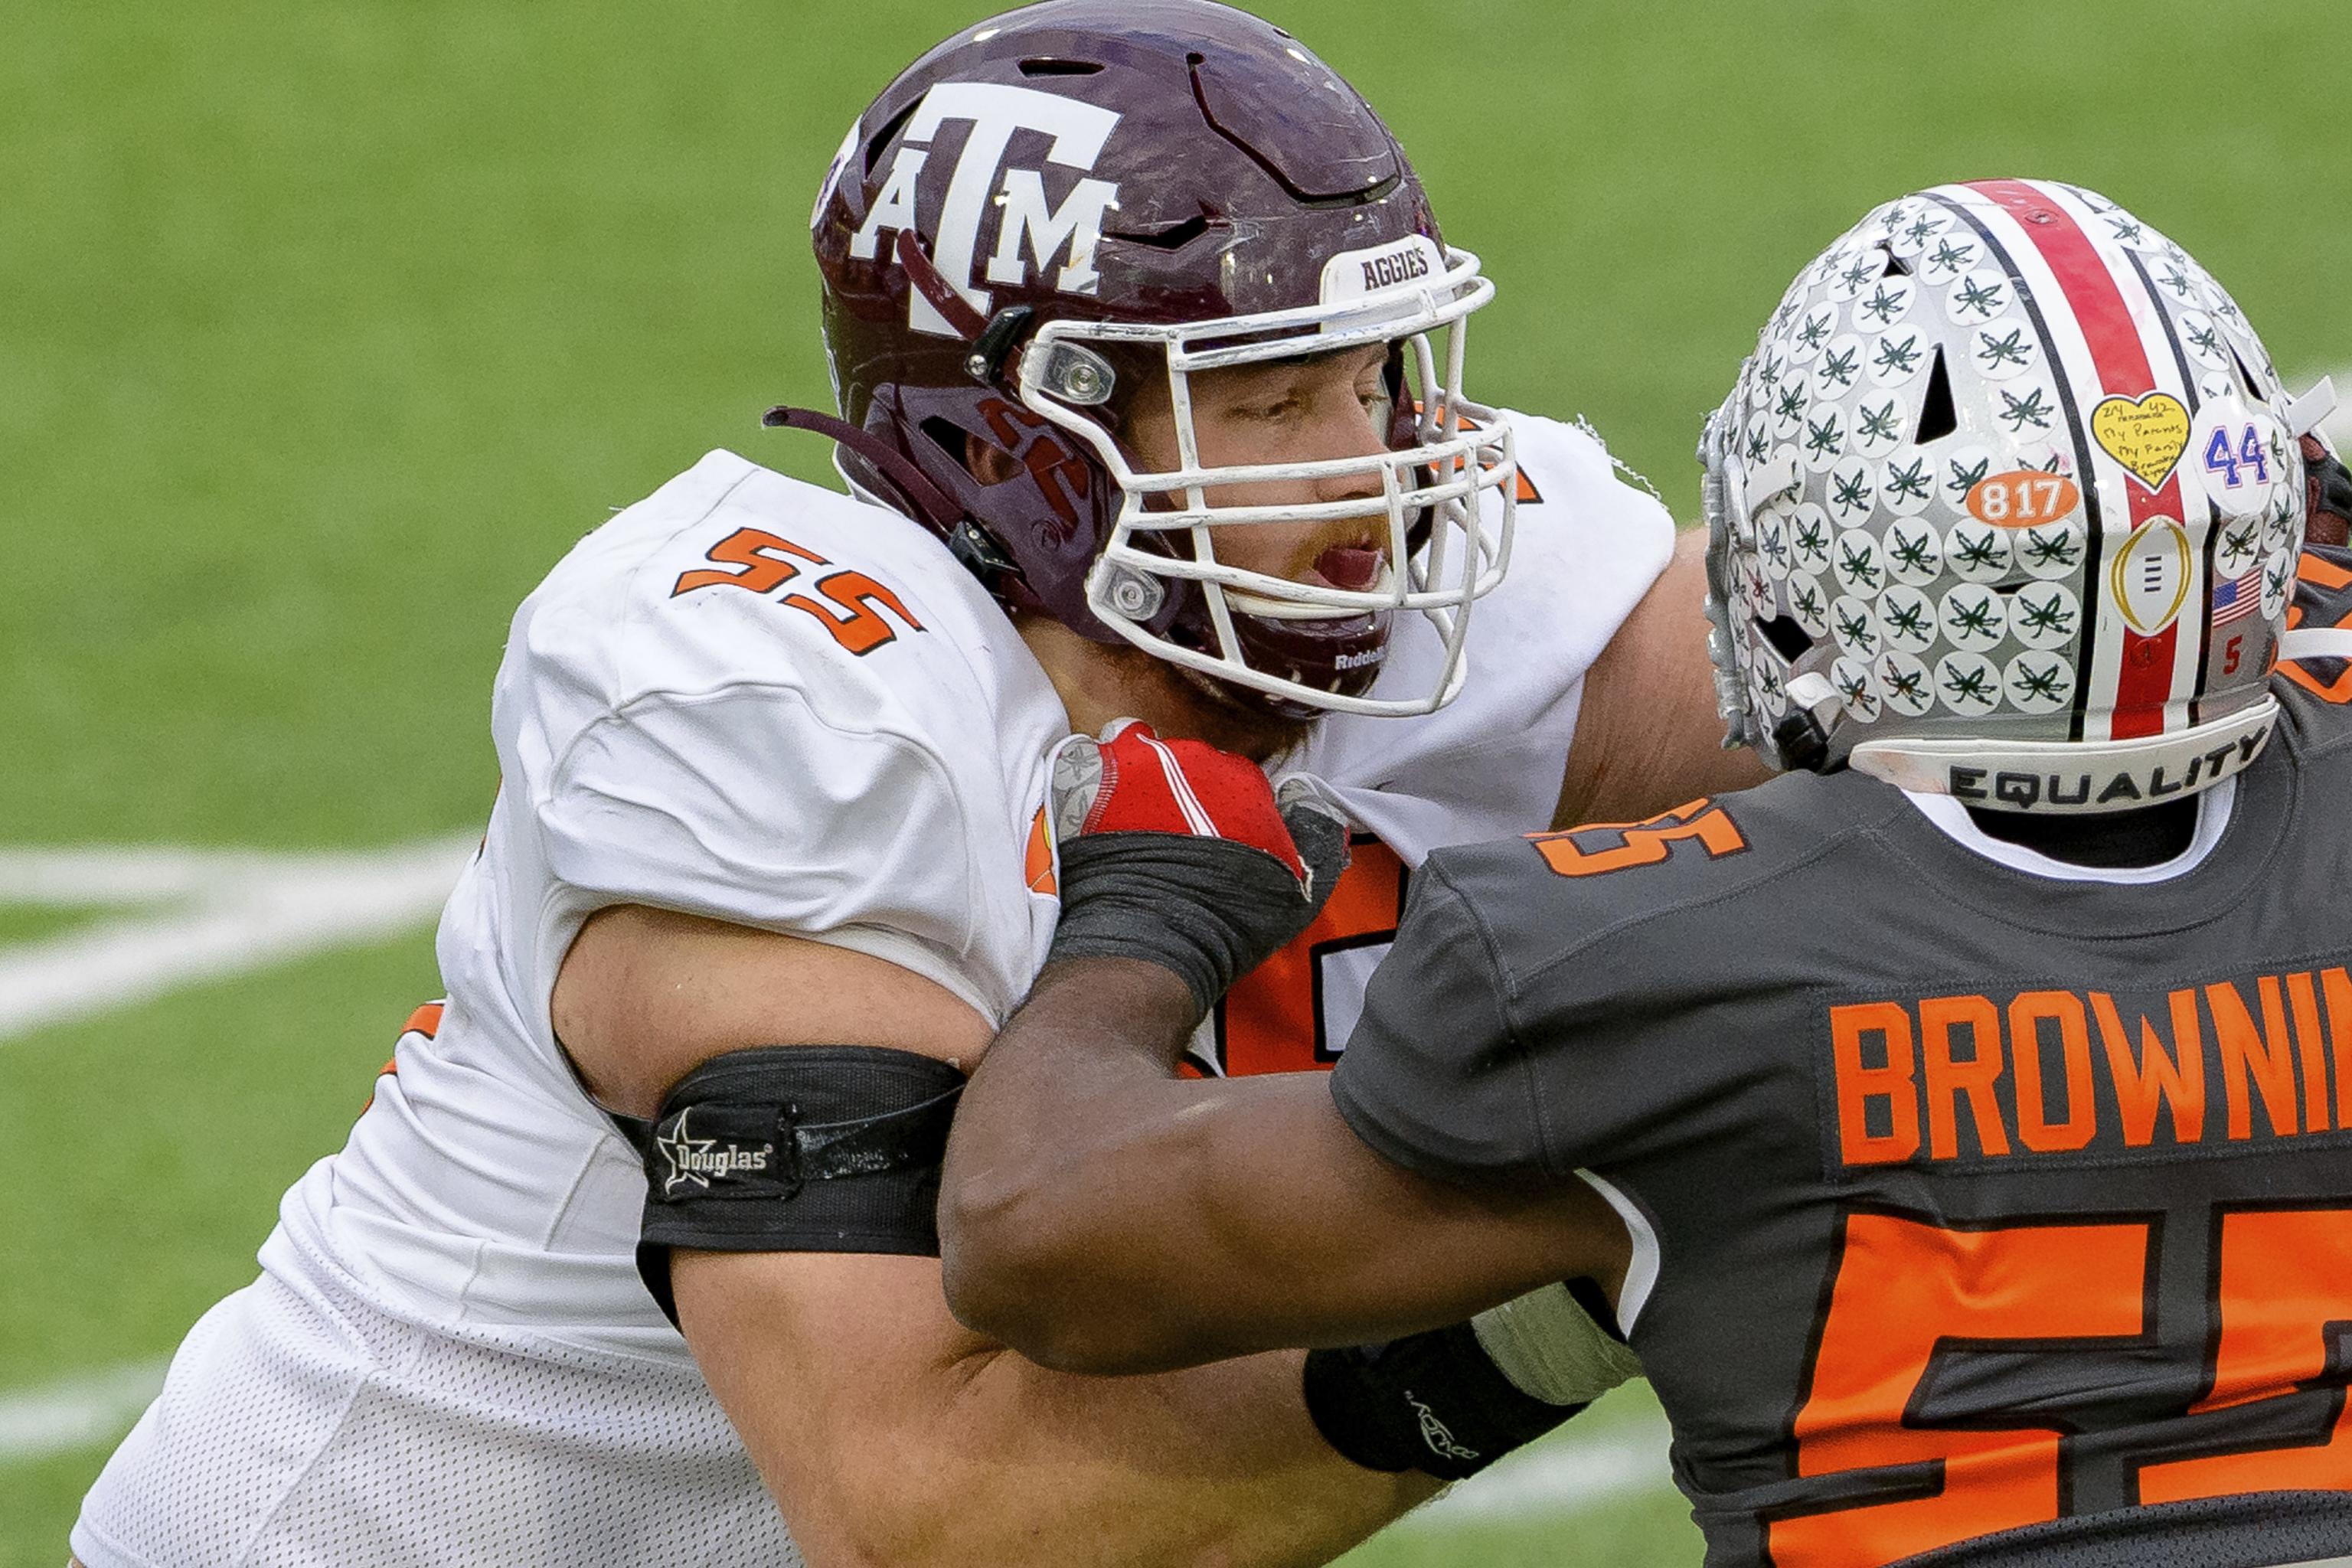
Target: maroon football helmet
{"x":1060,"y":202}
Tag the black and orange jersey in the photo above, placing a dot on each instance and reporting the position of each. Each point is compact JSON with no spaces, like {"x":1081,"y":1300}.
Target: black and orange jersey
{"x":1999,"y":1217}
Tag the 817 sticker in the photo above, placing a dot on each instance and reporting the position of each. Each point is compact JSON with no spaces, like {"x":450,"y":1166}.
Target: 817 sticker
{"x":2024,"y":497}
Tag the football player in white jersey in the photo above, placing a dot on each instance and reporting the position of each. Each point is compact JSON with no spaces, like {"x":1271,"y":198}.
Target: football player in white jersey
{"x":1150,"y":361}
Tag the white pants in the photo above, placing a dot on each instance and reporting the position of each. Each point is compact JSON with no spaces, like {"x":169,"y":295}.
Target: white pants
{"x":304,"y":1428}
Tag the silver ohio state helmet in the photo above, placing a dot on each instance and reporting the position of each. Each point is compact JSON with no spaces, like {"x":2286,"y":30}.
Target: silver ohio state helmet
{"x":2006,"y":505}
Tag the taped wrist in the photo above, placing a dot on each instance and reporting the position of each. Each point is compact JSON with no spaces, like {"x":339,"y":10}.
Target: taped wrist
{"x":1209,"y":909}
{"x":1434,"y":1402}
{"x":1560,"y":1342}
{"x":796,"y":1149}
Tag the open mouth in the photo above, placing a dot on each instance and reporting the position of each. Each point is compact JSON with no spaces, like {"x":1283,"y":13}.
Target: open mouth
{"x":1351,"y":568}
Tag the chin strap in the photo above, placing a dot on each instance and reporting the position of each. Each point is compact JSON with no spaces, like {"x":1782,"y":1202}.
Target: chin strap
{"x":925,"y":502}
{"x":953,"y":307}
{"x":994,"y":339}
{"x":992,"y":342}
{"x":929,"y":502}
{"x":2316,"y":642}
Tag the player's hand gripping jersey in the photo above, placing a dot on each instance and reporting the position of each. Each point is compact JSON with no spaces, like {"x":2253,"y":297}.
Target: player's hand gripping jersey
{"x":755,"y":701}
{"x":1976,"y":1196}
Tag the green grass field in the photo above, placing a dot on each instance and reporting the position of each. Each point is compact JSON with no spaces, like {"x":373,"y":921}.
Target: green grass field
{"x":326,"y":328}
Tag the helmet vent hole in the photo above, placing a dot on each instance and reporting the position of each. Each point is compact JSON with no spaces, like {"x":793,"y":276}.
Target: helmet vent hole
{"x":1175,"y":236}
{"x":1787,"y":637}
{"x":948,"y":436}
{"x":1058,"y":67}
{"x":1936,"y":417}
{"x":1895,"y":267}
{"x":889,"y":132}
{"x":2246,"y":377}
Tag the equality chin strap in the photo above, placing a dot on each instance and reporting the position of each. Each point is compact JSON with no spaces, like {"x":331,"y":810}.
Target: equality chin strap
{"x":2069,"y":775}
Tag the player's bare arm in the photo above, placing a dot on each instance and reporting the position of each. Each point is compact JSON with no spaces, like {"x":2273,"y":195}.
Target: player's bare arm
{"x":1180,"y":872}
{"x":1060,"y":1241}
{"x":859,"y":1351}
{"x":888,"y":1433}
{"x":1540,"y":1018}
{"x":1647,"y":735}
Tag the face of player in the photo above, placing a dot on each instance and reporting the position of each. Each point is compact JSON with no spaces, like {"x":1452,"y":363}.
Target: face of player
{"x":1332,"y":405}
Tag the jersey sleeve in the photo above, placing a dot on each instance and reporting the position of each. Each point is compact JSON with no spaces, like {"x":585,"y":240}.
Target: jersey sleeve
{"x":1558,"y":1002}
{"x":682,"y":724}
{"x":1434,"y":1078}
{"x":750,"y":806}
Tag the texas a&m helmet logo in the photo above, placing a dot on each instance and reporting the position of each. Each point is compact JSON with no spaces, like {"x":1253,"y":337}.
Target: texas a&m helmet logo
{"x":1031,"y":231}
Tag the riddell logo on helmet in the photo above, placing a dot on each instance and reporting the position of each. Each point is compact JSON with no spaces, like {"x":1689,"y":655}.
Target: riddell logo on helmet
{"x":1025,"y":221}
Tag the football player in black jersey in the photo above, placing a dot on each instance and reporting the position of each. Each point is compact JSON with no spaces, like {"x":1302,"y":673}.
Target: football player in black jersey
{"x":1960,"y":1125}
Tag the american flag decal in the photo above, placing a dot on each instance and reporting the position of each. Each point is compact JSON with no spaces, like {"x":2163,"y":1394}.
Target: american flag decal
{"x":2238,"y":597}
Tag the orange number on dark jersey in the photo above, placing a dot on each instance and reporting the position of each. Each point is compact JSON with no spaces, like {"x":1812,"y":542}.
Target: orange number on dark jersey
{"x":1274,"y":1020}
{"x":758,"y":560}
{"x":862,"y":629}
{"x":1908,"y":1293}
{"x":1601,"y":847}
{"x":2286,"y":1299}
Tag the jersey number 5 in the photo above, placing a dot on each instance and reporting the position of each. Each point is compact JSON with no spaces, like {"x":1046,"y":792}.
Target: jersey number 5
{"x":1603,"y":846}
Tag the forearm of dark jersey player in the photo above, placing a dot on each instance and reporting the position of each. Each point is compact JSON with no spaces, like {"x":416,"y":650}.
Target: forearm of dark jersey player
{"x":1101,"y":1215}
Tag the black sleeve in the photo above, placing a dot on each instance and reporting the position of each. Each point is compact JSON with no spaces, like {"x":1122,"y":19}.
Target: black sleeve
{"x":1433,"y":1079}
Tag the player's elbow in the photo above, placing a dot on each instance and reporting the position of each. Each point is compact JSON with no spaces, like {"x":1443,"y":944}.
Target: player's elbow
{"x":1021,"y":1274}
{"x":1003,"y":1262}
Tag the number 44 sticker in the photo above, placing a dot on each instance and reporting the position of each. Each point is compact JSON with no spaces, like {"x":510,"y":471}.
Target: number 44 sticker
{"x":2243,"y":460}
{"x":2248,"y":459}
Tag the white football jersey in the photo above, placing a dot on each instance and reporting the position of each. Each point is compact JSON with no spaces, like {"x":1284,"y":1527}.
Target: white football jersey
{"x":753,"y":700}
{"x":744,"y":698}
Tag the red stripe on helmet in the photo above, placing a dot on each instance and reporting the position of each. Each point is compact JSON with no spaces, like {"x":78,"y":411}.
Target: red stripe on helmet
{"x":2144,"y":680}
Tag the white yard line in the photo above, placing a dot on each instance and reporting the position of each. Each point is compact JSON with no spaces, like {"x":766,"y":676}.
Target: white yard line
{"x":202,"y":915}
{"x":76,"y":1413}
{"x":1559,"y":1478}
{"x":224,"y":912}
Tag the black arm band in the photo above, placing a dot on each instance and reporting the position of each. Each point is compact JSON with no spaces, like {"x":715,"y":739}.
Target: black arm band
{"x":796,"y":1149}
{"x":1434,"y":1402}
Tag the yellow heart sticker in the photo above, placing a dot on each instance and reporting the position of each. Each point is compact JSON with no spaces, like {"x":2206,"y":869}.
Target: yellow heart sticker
{"x":2145,"y":435}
